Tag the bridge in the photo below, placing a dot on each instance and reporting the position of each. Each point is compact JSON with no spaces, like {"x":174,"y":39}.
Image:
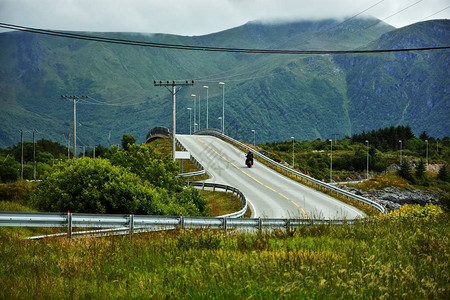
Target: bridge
{"x":269,"y":193}
{"x":158,"y":132}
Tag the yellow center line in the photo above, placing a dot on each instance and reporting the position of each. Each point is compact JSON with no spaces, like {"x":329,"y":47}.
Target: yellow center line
{"x":257,"y":180}
{"x":283,"y":196}
{"x":295,"y":203}
{"x":246,"y":173}
{"x":270,"y":188}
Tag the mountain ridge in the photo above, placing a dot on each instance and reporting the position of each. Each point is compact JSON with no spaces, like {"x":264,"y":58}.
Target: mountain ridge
{"x":278,"y":96}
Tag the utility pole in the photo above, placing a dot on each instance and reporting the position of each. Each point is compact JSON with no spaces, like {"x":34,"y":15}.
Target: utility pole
{"x":74,"y":98}
{"x":207,"y":110}
{"x":173,"y":91}
{"x":68,"y":145}
{"x":21,"y":155}
{"x":335,"y":135}
{"x":34,"y":154}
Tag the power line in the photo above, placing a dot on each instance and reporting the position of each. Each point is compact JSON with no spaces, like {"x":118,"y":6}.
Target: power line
{"x":205,"y":48}
{"x":435,"y":13}
{"x":415,"y":3}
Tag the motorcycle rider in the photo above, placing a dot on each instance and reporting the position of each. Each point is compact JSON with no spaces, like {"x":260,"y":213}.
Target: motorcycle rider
{"x":250,"y":157}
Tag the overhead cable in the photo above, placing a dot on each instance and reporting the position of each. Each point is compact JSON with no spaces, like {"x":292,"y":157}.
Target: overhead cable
{"x":205,"y":48}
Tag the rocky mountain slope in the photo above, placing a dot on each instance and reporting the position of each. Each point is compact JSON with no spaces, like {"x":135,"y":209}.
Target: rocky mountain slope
{"x":279,"y":96}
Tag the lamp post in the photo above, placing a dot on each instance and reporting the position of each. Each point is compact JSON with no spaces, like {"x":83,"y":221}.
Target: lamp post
{"x":254,"y":137}
{"x":426,"y":141}
{"x":207,"y":109}
{"x":193,"y":95}
{"x":293,"y":140}
{"x":190,"y":120}
{"x":198,"y":125}
{"x":367,"y":174}
{"x":223,"y":106}
{"x":221,"y":124}
{"x":331,"y":161}
{"x":401,"y":146}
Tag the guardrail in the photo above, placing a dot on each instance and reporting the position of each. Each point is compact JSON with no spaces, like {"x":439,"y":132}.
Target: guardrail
{"x":338,"y":191}
{"x":191,"y":174}
{"x":227,"y":189}
{"x":133,"y":223}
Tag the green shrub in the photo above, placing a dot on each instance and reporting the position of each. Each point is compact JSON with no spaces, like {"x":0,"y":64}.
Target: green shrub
{"x":18,"y":191}
{"x":95,"y":186}
{"x":150,"y":166}
{"x":9,"y":169}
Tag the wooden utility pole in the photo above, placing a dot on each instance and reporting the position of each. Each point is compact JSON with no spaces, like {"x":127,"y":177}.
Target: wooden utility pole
{"x":173,"y":91}
{"x":74,"y":98}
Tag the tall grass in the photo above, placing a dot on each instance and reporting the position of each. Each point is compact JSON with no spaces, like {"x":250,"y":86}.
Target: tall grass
{"x":404,"y":255}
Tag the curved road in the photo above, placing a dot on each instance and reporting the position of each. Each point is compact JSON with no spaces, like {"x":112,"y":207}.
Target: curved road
{"x":270,"y":194}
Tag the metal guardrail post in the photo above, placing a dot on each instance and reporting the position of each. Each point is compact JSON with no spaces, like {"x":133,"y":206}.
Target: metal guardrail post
{"x":69,"y":224}
{"x":224,"y":222}
{"x":288,"y":224}
{"x":181,"y":222}
{"x":259,"y":224}
{"x":131,"y":226}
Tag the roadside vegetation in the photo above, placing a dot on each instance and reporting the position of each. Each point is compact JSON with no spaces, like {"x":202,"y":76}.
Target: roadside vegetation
{"x":382,"y":148}
{"x":139,"y":179}
{"x":402,"y":255}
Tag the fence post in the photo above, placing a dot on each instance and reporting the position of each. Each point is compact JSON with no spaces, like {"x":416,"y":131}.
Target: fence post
{"x":131,"y":226}
{"x":224,"y":222}
{"x":69,"y":224}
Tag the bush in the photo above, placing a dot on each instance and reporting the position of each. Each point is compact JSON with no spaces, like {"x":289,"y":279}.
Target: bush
{"x":95,"y":186}
{"x":18,"y":192}
{"x":150,"y":166}
{"x":9,"y":170}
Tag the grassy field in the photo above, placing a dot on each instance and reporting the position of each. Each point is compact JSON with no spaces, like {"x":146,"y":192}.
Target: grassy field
{"x":404,"y":255}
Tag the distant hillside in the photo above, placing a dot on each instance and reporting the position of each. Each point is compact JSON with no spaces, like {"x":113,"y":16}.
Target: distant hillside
{"x":277,"y":95}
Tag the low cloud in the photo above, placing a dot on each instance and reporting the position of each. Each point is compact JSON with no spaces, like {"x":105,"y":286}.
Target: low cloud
{"x":197,"y":17}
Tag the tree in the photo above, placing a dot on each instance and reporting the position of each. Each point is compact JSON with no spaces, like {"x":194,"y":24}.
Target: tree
{"x":9,"y":169}
{"x":127,"y":140}
{"x":405,"y":171}
{"x":424,"y":136}
{"x":443,"y":174}
{"x":150,"y":166}
{"x":420,"y":170}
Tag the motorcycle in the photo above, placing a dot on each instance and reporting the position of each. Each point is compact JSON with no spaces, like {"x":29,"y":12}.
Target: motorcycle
{"x":249,"y":161}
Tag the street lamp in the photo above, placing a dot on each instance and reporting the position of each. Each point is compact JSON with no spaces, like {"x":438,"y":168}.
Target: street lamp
{"x":367,"y":175}
{"x":190,"y":120}
{"x":254,"y":137}
{"x":426,"y":141}
{"x":223,"y":106}
{"x":207,"y":110}
{"x":331,"y":161}
{"x":293,"y":140}
{"x":193,"y":95}
{"x":401,"y":144}
{"x":198,"y":126}
{"x":221,"y":124}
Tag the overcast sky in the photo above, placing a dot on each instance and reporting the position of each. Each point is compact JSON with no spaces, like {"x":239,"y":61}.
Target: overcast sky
{"x":198,"y":17}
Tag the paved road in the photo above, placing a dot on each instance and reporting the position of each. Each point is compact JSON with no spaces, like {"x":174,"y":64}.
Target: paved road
{"x":270,"y":194}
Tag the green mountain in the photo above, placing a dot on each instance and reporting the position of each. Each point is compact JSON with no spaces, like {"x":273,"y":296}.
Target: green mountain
{"x":279,"y":96}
